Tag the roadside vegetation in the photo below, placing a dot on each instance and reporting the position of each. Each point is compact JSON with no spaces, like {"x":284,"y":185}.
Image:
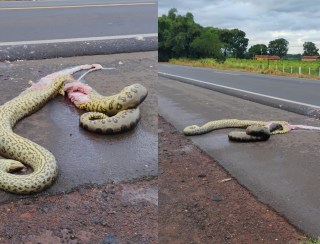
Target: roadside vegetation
{"x":311,"y":241}
{"x":185,"y":42}
{"x":281,"y":67}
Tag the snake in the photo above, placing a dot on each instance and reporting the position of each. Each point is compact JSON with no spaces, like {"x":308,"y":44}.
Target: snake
{"x":255,"y":130}
{"x":107,"y":114}
{"x":19,"y":151}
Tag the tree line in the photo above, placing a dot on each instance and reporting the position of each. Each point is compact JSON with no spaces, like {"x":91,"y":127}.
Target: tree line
{"x":180,"y":36}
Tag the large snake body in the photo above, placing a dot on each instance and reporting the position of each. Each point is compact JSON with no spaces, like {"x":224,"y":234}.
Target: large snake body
{"x":107,"y":114}
{"x":256,"y":130}
{"x":22,"y":150}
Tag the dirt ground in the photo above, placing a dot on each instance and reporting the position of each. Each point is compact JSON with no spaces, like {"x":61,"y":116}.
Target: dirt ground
{"x":199,"y":202}
{"x":113,"y":214}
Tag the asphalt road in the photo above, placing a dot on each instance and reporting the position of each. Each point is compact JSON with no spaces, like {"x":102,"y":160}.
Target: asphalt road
{"x":293,"y":90}
{"x":46,"y":20}
{"x":282,"y":172}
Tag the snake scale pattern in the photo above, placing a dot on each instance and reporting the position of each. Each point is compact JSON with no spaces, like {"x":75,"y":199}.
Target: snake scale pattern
{"x":20,"y":151}
{"x":253,"y":135}
{"x":108,"y":114}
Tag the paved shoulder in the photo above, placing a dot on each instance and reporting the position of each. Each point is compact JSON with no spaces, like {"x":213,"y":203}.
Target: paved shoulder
{"x":282,"y":172}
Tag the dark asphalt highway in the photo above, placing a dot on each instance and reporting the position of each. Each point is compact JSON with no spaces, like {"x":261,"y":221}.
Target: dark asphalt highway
{"x":293,"y":90}
{"x":46,"y":20}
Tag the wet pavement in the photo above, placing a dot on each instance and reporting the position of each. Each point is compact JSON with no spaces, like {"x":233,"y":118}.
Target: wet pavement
{"x":85,"y":158}
{"x":282,"y":172}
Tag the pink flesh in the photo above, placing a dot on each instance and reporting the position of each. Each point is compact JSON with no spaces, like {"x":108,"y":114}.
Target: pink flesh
{"x":45,"y":81}
{"x":77,"y":86}
{"x":78,"y":98}
{"x":77,"y":92}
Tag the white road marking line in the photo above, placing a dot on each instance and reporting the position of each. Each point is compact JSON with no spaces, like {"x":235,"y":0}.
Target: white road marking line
{"x":99,"y":38}
{"x":240,"y":90}
{"x":78,"y":6}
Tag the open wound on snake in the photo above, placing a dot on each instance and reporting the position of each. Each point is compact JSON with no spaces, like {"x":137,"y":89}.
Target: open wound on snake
{"x":107,"y":114}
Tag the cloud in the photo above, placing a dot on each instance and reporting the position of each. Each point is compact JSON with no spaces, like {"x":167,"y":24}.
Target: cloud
{"x":262,"y":21}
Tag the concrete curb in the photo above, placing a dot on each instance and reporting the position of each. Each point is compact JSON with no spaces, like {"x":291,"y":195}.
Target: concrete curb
{"x":310,"y":111}
{"x":77,"y":47}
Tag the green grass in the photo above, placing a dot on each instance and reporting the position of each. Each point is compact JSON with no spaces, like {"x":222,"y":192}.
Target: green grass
{"x":281,"y":67}
{"x":311,"y":241}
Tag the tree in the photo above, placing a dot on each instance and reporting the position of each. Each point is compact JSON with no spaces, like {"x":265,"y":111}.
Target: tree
{"x":240,"y":43}
{"x":310,"y":49}
{"x":226,"y":38}
{"x":164,"y":49}
{"x":172,"y":13}
{"x":180,"y":36}
{"x":207,"y":45}
{"x":235,"y":42}
{"x":257,"y":49}
{"x":278,"y":47}
{"x":175,"y":34}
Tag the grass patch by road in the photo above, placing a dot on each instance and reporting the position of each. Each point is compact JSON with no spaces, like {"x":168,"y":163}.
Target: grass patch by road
{"x":292,"y":68}
{"x":311,"y":241}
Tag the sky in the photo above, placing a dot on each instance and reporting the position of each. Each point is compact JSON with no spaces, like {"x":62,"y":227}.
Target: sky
{"x":297,"y":21}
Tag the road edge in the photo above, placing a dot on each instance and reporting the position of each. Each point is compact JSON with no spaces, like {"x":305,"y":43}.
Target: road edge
{"x":301,"y":109}
{"x":78,"y":47}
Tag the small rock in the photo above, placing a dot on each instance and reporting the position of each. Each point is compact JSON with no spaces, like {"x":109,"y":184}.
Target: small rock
{"x":104,"y":223}
{"x":216,"y":197}
{"x":109,"y":239}
{"x":201,"y":175}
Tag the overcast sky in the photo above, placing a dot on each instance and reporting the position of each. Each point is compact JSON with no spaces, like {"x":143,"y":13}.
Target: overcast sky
{"x":297,"y":21}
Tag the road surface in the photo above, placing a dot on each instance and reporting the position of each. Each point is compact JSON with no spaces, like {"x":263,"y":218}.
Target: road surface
{"x":282,"y":172}
{"x":46,"y":20}
{"x":296,"y":91}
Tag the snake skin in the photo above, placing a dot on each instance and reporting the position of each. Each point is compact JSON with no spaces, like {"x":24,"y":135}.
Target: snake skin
{"x":21,"y":150}
{"x":235,"y":123}
{"x":113,"y":114}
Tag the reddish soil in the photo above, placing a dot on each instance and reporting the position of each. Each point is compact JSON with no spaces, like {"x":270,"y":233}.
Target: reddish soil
{"x":196,"y":205}
{"x":113,"y":213}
